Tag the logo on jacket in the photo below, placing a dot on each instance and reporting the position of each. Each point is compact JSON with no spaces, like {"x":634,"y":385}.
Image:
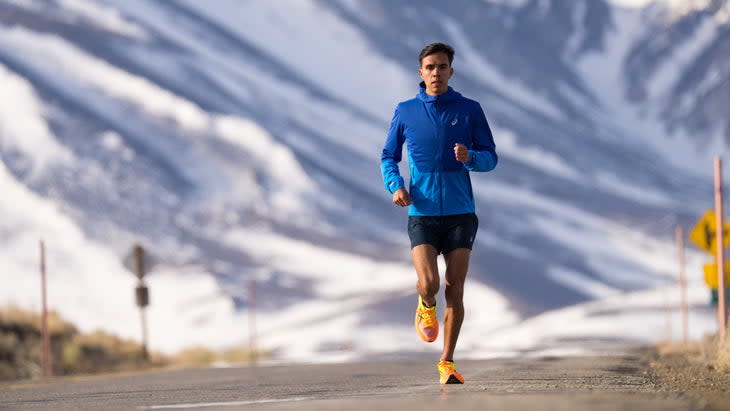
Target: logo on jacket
{"x":454,"y":121}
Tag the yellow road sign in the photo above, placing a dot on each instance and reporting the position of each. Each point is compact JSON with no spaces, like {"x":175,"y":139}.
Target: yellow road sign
{"x":711,"y":277}
{"x":704,"y":234}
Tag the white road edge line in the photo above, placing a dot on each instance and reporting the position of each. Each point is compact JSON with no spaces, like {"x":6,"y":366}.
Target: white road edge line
{"x":221,"y":404}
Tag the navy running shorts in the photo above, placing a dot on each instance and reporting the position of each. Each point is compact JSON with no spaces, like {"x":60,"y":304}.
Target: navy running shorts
{"x":445,"y":233}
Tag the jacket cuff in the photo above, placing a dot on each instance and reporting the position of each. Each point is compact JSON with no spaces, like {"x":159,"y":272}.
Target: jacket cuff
{"x":472,"y":159}
{"x":395,"y":185}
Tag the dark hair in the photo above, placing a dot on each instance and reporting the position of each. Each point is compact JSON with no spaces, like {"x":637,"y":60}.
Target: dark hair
{"x":434,"y":48}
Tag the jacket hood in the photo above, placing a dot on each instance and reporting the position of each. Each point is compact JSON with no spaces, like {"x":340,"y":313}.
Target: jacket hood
{"x":449,"y":95}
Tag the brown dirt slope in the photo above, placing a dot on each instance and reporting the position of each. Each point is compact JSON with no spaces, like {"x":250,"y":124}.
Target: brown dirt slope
{"x":699,"y":370}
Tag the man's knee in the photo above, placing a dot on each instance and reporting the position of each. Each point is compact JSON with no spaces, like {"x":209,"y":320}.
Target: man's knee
{"x":429,"y":286}
{"x":454,"y":292}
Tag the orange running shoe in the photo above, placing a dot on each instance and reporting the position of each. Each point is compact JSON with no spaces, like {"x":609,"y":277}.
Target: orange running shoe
{"x":427,"y":325}
{"x":448,"y":373}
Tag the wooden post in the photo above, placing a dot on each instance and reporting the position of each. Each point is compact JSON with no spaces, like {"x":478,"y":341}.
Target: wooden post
{"x":682,"y":283}
{"x":46,"y":340}
{"x":721,"y":311}
{"x":252,"y":317}
{"x":668,"y":314}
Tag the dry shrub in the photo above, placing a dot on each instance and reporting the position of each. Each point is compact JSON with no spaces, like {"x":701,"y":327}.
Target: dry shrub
{"x":709,"y":351}
{"x":20,"y":341}
{"x":100,"y":351}
{"x":14,"y":316}
{"x":71,"y":352}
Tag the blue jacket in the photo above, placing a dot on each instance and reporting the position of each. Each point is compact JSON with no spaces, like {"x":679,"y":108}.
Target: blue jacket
{"x":432,"y":125}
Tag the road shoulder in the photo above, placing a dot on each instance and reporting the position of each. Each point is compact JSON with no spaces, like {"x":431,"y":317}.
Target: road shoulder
{"x":690,"y":370}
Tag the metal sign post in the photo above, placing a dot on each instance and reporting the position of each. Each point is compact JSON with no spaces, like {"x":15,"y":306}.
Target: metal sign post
{"x":138,"y":261}
{"x":721,"y":312}
{"x":142,"y":295}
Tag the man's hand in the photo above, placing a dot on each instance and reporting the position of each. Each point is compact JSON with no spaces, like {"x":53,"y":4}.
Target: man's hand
{"x":461,"y":153}
{"x":401,"y":197}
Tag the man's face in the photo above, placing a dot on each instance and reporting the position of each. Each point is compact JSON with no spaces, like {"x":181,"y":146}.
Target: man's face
{"x":436,"y":71}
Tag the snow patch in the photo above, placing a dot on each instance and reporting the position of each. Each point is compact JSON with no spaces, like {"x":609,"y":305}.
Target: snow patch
{"x":473,"y":63}
{"x":81,"y":70}
{"x":626,"y":189}
{"x":534,"y":156}
{"x":510,"y":3}
{"x":665,"y":78}
{"x":579,"y":282}
{"x":22,"y":124}
{"x":288,"y":31}
{"x":106,"y":17}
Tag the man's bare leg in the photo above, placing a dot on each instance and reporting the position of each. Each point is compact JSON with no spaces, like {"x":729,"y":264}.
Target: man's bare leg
{"x":457,"y":265}
{"x":424,"y":261}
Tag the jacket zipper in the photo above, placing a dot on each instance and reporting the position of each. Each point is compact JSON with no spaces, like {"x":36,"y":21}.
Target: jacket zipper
{"x":440,"y":138}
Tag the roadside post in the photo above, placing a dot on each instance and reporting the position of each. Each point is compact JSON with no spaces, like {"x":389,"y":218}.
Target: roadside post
{"x":711,"y":234}
{"x":252,"y":318}
{"x":45,"y":338}
{"x":704,"y":236}
{"x":720,"y":235}
{"x":139,"y":262}
{"x":682,"y":283}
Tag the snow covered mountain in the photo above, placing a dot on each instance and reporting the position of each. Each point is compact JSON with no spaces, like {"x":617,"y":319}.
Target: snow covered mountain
{"x":241,"y":140}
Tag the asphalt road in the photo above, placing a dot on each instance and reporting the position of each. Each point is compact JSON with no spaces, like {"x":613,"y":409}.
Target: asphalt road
{"x":610,"y":382}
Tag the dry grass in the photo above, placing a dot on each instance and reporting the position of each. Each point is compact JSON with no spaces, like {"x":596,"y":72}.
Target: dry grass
{"x":722,"y":359}
{"x":20,"y":341}
{"x":13,"y":316}
{"x":100,"y":352}
{"x":71,"y":352}
{"x":698,"y":371}
{"x":692,"y":347}
{"x":201,"y":356}
{"x":76,"y":353}
{"x":709,"y":352}
{"x":242,"y":355}
{"x":194,"y":357}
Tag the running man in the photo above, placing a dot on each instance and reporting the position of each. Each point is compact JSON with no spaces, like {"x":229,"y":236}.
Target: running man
{"x":448,"y":137}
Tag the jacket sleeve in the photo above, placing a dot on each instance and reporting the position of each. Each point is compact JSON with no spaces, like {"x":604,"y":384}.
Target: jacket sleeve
{"x":482,"y":155}
{"x":392,"y":155}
